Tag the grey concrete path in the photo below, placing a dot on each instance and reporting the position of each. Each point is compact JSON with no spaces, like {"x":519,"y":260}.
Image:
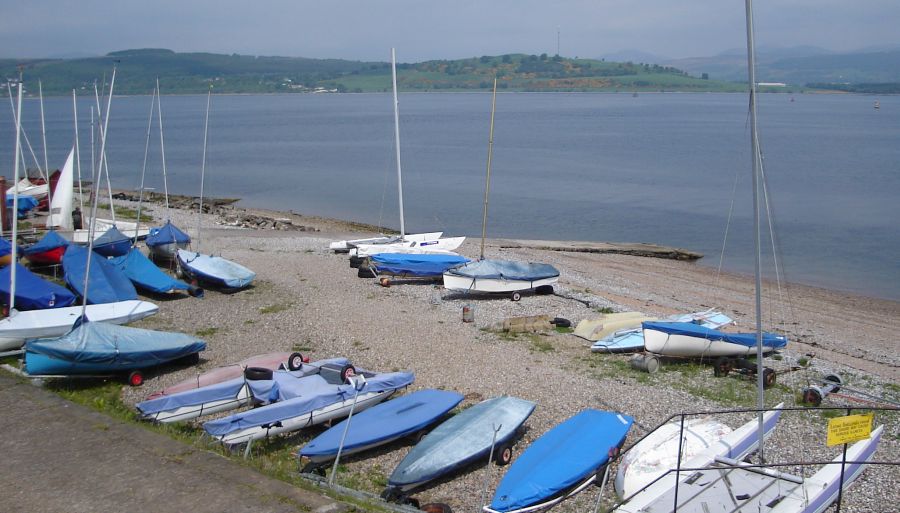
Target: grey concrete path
{"x":59,"y":456}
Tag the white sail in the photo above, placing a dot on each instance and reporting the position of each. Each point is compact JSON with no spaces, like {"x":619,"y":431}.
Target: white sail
{"x":61,"y":205}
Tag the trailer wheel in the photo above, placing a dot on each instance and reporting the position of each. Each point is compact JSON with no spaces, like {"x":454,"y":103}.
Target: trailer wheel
{"x":516,"y":296}
{"x":812,"y":396}
{"x":721,"y":367}
{"x":768,"y":377}
{"x":295,"y":361}
{"x":436,"y":507}
{"x":544,"y":290}
{"x":503,"y":455}
{"x":136,"y":378}
{"x":834,"y":380}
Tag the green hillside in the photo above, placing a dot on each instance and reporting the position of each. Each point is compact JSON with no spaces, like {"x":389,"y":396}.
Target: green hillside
{"x":194,"y":72}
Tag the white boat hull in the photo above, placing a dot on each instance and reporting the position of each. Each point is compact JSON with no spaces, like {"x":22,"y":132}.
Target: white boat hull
{"x":242,"y":398}
{"x":56,"y":322}
{"x":686,"y":346}
{"x":330,"y":412}
{"x":102,"y":225}
{"x":342,"y":246}
{"x":493,"y":285}
{"x":442,"y":246}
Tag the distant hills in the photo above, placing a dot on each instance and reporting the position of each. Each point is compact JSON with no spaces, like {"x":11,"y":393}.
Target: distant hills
{"x":874,"y":70}
{"x":805,"y":66}
{"x":195,"y":72}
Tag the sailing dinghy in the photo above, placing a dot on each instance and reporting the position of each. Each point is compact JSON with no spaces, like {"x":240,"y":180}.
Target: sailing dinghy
{"x":688,"y":340}
{"x":293,"y":404}
{"x":106,"y":283}
{"x":48,"y":250}
{"x":562,"y":462}
{"x":407,"y":265}
{"x":379,"y":425}
{"x":146,"y":276}
{"x":463,"y":439}
{"x":344,"y":246}
{"x":627,"y":336}
{"x":31,"y":291}
{"x":492,"y":275}
{"x":166,"y":240}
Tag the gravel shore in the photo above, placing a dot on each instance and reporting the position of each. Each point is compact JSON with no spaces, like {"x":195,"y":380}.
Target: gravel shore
{"x":309,"y":299}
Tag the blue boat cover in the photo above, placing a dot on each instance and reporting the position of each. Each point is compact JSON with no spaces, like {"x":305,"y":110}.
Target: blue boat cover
{"x":5,"y":247}
{"x":222,"y":391}
{"x":694,"y":330}
{"x":92,"y":347}
{"x":107,"y":284}
{"x":462,"y":439}
{"x":112,"y":243}
{"x":51,"y":240}
{"x":215,"y":270}
{"x":561,"y":458}
{"x":505,"y":269}
{"x":317,"y":393}
{"x":145,"y":274}
{"x":415,"y":265}
{"x":32,"y":291}
{"x":26,"y":204}
{"x":384,"y":422}
{"x":166,"y":234}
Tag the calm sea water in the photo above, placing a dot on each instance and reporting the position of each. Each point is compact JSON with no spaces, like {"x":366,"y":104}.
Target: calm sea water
{"x":660,"y":168}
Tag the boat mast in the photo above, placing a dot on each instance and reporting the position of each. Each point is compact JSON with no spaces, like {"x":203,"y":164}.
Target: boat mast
{"x":15,"y":209}
{"x":144,"y":167}
{"x":78,"y":159}
{"x":162,"y":146}
{"x":757,"y":264}
{"x":203,"y":166}
{"x":487,"y":181}
{"x":397,"y":140}
{"x":96,"y":186}
{"x":44,"y":140}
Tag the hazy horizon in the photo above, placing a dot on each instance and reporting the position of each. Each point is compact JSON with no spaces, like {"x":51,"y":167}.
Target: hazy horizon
{"x":365,"y":31}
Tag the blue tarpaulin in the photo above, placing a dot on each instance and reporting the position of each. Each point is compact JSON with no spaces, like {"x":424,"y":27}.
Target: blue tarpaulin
{"x":414,"y":265}
{"x":505,"y":269}
{"x":112,"y":243}
{"x":51,"y":240}
{"x":145,"y":274}
{"x":316,"y":393}
{"x":33,"y":292}
{"x":107,"y":284}
{"x":695,"y":330}
{"x":26,"y":204}
{"x":166,"y":234}
{"x":100,"y":347}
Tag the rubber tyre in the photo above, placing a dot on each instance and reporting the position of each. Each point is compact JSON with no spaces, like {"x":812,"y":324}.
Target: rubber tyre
{"x":721,"y":367}
{"x":516,"y":296}
{"x":355,"y":261}
{"x":365,"y":272}
{"x":295,"y":361}
{"x":436,"y":507}
{"x":503,"y":455}
{"x":136,"y":378}
{"x":544,"y":290}
{"x":834,"y":380}
{"x":769,"y":377}
{"x":561,"y":323}
{"x":257,"y":374}
{"x":812,"y":396}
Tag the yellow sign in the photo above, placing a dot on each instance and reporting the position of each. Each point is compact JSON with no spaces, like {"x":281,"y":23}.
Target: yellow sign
{"x":849,"y":429}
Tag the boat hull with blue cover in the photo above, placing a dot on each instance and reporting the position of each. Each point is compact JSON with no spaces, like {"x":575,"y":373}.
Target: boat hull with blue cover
{"x":106,"y":283}
{"x":33,"y":292}
{"x":112,"y":243}
{"x":461,"y":440}
{"x":223,"y":395}
{"x":382,"y":424}
{"x":631,"y":339}
{"x":166,"y":240}
{"x":688,"y":340}
{"x":56,"y":322}
{"x":214,"y":270}
{"x":47,"y":251}
{"x":145,"y":275}
{"x":562,"y":462}
{"x":310,"y":401}
{"x":414,"y":265}
{"x":100,"y":348}
{"x":498,"y":276}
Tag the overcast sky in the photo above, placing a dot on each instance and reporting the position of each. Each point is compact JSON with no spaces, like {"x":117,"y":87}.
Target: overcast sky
{"x":437,"y":29}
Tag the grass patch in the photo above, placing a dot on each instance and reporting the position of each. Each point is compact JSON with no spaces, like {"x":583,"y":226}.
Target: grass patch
{"x":605,"y":310}
{"x":127,"y":213}
{"x":280,"y":307}
{"x":540,"y":344}
{"x":206,"y":332}
{"x":561,"y":329}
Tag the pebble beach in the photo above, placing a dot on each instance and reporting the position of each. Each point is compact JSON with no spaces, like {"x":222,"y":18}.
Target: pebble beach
{"x":308,"y":299}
